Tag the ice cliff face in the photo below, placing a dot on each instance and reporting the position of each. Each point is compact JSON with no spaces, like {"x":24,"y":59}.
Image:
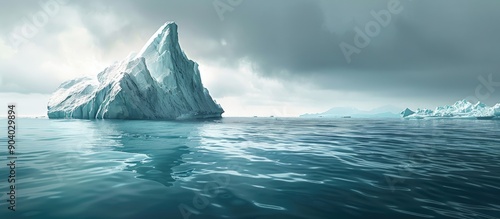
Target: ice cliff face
{"x":496,"y":109}
{"x":461,"y":109}
{"x":407,"y":112}
{"x":159,"y":83}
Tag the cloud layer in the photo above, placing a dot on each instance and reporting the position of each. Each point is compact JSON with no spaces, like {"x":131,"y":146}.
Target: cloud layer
{"x":431,"y":53}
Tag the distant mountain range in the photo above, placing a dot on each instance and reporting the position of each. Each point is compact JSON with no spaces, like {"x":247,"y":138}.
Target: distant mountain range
{"x":388,"y":111}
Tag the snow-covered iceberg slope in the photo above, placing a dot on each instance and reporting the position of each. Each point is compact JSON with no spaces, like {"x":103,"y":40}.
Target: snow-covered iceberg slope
{"x":159,"y":83}
{"x":461,"y":109}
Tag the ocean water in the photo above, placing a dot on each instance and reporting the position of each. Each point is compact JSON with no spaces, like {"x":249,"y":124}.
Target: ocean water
{"x":254,"y":168}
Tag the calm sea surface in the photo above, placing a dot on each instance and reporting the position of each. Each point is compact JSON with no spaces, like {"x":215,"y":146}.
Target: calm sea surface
{"x":254,"y":168}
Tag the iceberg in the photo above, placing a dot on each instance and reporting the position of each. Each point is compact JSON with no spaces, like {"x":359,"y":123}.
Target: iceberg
{"x":388,"y":111}
{"x":461,"y":109}
{"x":496,"y":109}
{"x":407,"y":112}
{"x":160,"y":82}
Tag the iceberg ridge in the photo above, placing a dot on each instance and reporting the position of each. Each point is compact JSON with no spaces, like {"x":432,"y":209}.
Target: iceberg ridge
{"x":461,"y":109}
{"x":160,"y":82}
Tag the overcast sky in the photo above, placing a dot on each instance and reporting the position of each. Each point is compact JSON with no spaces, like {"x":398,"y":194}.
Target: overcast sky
{"x":266,"y":57}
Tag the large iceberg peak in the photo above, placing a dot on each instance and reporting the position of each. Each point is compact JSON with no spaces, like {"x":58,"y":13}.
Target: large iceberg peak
{"x":160,"y":82}
{"x":164,"y":55}
{"x":164,"y":39}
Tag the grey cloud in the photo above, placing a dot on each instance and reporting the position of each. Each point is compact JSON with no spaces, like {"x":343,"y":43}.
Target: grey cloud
{"x":432,"y":49}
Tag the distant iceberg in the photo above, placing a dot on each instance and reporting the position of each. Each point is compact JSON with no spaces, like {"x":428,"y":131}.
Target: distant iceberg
{"x":407,"y":112}
{"x":158,"y":83}
{"x":351,"y":112}
{"x":461,"y":109}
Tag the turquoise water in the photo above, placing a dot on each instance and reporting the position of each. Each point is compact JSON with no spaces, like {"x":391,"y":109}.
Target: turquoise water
{"x":254,"y":168}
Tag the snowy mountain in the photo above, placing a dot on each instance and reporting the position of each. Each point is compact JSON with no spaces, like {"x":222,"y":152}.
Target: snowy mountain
{"x":158,"y":83}
{"x":461,"y":109}
{"x":340,"y":112}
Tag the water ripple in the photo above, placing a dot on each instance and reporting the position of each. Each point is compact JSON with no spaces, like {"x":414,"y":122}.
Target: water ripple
{"x":258,"y":168}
